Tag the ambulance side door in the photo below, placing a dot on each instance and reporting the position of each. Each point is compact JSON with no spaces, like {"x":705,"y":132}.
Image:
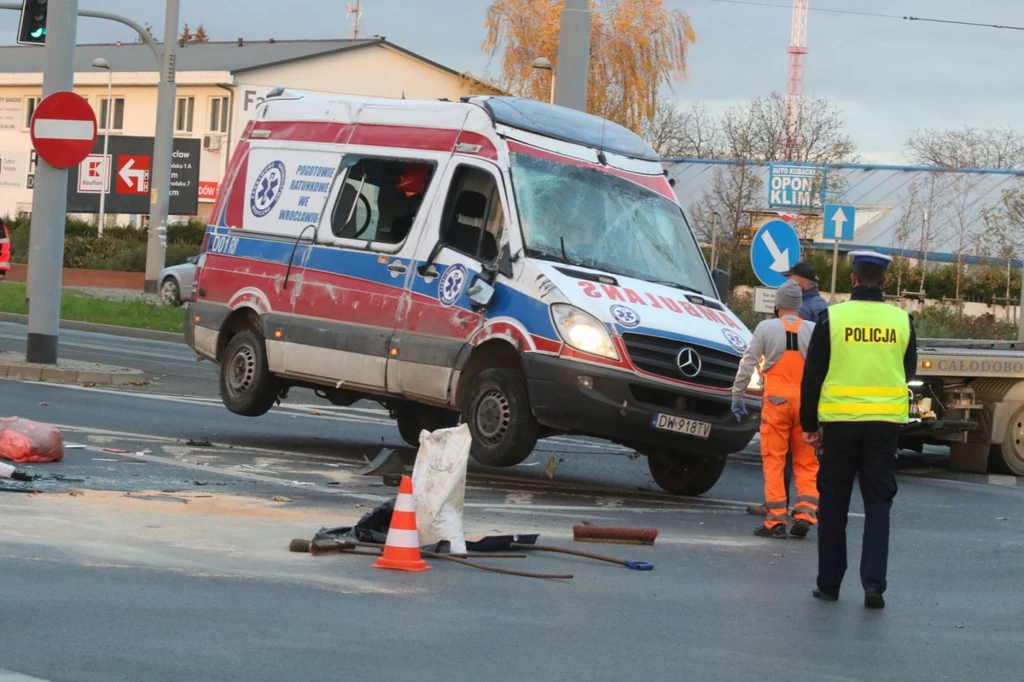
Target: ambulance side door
{"x":355,"y":276}
{"x":462,"y":239}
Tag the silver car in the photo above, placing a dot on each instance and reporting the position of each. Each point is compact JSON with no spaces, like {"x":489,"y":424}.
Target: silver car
{"x":176,"y":281}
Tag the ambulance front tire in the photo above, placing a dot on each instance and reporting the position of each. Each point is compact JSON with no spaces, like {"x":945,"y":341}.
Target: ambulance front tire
{"x":683,"y":475}
{"x":246,"y":385}
{"x":497,"y":410}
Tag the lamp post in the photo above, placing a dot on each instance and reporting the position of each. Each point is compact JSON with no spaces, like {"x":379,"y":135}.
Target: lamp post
{"x":544,"y":64}
{"x":101,"y":63}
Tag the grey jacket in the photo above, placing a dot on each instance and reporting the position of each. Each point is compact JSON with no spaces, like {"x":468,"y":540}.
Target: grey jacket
{"x":766,"y":348}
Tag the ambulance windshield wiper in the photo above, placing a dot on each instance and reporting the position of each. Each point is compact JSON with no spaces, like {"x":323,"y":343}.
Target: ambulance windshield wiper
{"x":677,"y":285}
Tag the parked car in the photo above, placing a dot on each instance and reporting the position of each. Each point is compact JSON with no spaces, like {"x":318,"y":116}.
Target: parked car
{"x":176,"y":281}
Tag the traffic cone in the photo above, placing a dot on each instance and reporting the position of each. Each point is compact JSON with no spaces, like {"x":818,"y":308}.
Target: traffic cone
{"x":402,"y":549}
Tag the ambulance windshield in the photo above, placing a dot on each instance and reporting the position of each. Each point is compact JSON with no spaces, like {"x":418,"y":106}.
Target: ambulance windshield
{"x":593,"y":219}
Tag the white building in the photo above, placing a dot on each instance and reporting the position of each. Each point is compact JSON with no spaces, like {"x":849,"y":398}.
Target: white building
{"x":219,"y":84}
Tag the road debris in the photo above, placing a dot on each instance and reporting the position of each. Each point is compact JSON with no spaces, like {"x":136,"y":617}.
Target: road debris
{"x":281,"y":498}
{"x":116,"y":451}
{"x":387,"y":461}
{"x":551,"y":467}
{"x":201,"y":443}
{"x":23,"y":440}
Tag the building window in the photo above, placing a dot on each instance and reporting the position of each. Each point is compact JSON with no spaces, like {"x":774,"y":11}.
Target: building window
{"x":218,"y":114}
{"x":117,"y":115}
{"x":30,"y":108}
{"x":185,"y":113}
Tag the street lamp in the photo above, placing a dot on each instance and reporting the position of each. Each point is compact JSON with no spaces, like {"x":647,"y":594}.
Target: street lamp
{"x":544,"y":64}
{"x":101,"y":63}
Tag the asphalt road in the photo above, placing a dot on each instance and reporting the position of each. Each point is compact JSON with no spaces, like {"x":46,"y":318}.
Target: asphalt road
{"x":147,"y":557}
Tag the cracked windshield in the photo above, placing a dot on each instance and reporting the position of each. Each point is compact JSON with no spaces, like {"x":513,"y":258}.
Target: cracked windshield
{"x":588,"y":217}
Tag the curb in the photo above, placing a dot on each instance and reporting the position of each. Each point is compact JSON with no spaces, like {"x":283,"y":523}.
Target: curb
{"x":127,"y":332}
{"x":108,"y":376}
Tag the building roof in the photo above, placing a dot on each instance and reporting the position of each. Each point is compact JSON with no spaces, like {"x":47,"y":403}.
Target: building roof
{"x":211,"y":56}
{"x":881,"y":194}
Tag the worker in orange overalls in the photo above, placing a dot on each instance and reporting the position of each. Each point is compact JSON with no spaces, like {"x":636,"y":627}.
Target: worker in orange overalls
{"x":779,"y":347}
{"x":5,"y":250}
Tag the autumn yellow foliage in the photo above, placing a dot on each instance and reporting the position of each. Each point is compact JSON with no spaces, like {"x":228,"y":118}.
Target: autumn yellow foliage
{"x":636,"y":46}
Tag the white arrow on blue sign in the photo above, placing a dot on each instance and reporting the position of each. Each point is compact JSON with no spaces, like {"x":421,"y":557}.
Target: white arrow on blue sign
{"x":839,"y":222}
{"x":774,"y":250}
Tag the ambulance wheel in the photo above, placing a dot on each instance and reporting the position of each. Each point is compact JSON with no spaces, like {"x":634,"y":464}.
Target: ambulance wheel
{"x":681,"y":474}
{"x":497,"y":410}
{"x":1009,"y":457}
{"x":246,"y":385}
{"x":412,"y":419}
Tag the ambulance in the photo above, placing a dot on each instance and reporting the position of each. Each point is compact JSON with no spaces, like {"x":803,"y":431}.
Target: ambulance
{"x":522,"y":267}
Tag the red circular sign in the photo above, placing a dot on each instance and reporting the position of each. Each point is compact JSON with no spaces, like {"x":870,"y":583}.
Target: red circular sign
{"x":63,"y":129}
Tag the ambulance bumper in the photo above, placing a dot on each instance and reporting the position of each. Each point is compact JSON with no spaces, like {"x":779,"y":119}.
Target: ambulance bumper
{"x":577,"y":398}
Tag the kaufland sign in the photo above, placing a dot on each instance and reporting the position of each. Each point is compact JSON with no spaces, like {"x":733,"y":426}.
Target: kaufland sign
{"x":794,"y":186}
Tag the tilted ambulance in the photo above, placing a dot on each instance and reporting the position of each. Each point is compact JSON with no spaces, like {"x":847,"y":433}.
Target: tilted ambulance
{"x":523,"y":265}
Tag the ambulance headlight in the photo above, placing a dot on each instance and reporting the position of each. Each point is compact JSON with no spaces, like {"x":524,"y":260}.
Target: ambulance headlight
{"x":582,"y":331}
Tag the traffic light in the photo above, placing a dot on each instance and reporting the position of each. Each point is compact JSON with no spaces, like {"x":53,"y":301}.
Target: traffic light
{"x":32,"y":29}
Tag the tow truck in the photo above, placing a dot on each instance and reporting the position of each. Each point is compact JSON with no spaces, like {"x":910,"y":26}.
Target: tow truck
{"x":969,"y":395}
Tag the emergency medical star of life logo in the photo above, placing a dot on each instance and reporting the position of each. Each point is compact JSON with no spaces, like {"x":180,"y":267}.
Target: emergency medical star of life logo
{"x":734,"y":339}
{"x":267,"y":189}
{"x":627,"y":317}
{"x":453,"y":281}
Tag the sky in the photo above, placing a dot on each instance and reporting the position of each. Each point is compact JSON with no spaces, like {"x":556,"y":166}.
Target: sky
{"x":890,"y":77}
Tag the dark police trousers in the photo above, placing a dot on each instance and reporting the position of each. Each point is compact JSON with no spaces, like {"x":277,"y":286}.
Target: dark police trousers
{"x":866,"y":450}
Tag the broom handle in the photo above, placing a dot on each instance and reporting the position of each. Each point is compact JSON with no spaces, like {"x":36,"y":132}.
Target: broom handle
{"x":574,"y":552}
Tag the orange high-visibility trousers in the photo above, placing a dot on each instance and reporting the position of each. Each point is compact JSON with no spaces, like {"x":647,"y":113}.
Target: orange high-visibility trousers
{"x":781,"y":433}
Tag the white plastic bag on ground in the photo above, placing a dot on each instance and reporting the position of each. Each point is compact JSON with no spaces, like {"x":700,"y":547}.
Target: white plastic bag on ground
{"x":439,"y":486}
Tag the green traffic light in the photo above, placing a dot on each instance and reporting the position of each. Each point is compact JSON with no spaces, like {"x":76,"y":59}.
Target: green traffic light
{"x":39,"y":32}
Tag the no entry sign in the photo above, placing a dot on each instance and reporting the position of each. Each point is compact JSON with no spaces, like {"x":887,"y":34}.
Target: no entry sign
{"x":63,"y":129}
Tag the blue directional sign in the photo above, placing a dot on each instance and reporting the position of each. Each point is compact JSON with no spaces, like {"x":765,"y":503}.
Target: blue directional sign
{"x":774,"y":250}
{"x":839,"y":222}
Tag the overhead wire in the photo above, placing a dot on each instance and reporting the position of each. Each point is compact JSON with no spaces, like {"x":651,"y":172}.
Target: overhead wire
{"x":878,"y":15}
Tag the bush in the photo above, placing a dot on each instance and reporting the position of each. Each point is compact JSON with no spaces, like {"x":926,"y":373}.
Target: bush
{"x":946,"y":321}
{"x":122,"y":247}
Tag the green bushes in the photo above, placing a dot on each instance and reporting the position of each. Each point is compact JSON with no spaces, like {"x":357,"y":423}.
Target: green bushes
{"x":950,"y":322}
{"x":122,"y":247}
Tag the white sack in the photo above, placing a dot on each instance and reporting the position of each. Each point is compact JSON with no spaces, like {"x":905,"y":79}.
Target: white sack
{"x":439,"y":486}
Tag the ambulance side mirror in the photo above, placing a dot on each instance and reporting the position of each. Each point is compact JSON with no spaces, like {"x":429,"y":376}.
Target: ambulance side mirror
{"x":480,"y":292}
{"x":721,"y":279}
{"x":505,"y":260}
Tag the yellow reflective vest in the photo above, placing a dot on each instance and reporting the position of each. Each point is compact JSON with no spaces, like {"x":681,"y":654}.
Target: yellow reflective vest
{"x":866,"y":380}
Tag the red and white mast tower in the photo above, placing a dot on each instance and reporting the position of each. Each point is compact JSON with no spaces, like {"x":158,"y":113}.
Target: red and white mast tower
{"x":795,"y":82}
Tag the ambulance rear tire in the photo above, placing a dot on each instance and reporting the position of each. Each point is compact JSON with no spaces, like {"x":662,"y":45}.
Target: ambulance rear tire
{"x":246,"y":385}
{"x":497,"y":410}
{"x":680,"y":474}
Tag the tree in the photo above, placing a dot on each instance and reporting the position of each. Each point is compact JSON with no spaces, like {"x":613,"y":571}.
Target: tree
{"x":759,"y":129}
{"x":691,"y":133}
{"x":635,"y":47}
{"x":966,"y":148}
{"x":734,"y":192}
{"x":1003,"y":228}
{"x":904,"y":231}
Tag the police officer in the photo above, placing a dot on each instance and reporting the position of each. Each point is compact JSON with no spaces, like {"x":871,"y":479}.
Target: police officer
{"x":853,"y":401}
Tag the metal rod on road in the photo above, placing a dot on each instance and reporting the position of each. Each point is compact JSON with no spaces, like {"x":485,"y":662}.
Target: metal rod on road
{"x":49,"y":198}
{"x":163,"y":139}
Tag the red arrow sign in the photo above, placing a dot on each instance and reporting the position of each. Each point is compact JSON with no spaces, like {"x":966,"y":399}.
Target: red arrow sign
{"x":63,"y":129}
{"x":132,"y":174}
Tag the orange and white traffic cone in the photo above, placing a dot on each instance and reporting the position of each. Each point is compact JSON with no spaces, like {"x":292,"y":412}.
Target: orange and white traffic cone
{"x":402,"y":549}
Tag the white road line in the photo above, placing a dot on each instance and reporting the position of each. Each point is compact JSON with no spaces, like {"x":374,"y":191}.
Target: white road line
{"x":9,"y":676}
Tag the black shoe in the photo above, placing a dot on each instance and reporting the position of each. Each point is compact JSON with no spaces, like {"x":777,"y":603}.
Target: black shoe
{"x":757,"y":510}
{"x":873,"y":599}
{"x":800,"y":529}
{"x":776,"y":532}
{"x":825,"y":595}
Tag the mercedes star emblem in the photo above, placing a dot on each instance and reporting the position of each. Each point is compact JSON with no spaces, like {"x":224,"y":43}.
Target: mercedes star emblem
{"x":689,"y":362}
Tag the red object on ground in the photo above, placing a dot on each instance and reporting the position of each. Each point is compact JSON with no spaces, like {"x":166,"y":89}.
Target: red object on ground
{"x":22,"y":440}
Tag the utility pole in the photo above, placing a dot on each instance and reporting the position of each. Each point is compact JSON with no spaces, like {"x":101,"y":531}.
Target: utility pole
{"x":49,"y":198}
{"x":574,"y":55}
{"x":163,"y":141}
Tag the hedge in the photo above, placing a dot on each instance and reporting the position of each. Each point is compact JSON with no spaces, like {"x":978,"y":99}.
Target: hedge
{"x":122,"y":247}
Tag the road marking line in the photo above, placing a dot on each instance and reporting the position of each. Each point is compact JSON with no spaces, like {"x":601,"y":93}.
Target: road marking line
{"x":10,"y":676}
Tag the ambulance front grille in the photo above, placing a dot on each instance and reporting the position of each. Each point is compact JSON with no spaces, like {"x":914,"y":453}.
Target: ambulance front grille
{"x":659,"y":356}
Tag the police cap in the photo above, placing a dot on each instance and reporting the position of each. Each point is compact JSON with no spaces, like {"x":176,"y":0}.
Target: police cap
{"x":872,"y":257}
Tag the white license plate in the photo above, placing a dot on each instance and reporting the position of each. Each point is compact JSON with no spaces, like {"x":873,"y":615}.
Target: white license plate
{"x":689,"y":427}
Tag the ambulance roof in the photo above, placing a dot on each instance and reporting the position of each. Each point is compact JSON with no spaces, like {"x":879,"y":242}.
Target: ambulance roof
{"x":568,"y":125}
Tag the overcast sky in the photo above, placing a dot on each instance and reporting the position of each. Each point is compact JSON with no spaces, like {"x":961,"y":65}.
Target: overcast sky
{"x":889,"y":76}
